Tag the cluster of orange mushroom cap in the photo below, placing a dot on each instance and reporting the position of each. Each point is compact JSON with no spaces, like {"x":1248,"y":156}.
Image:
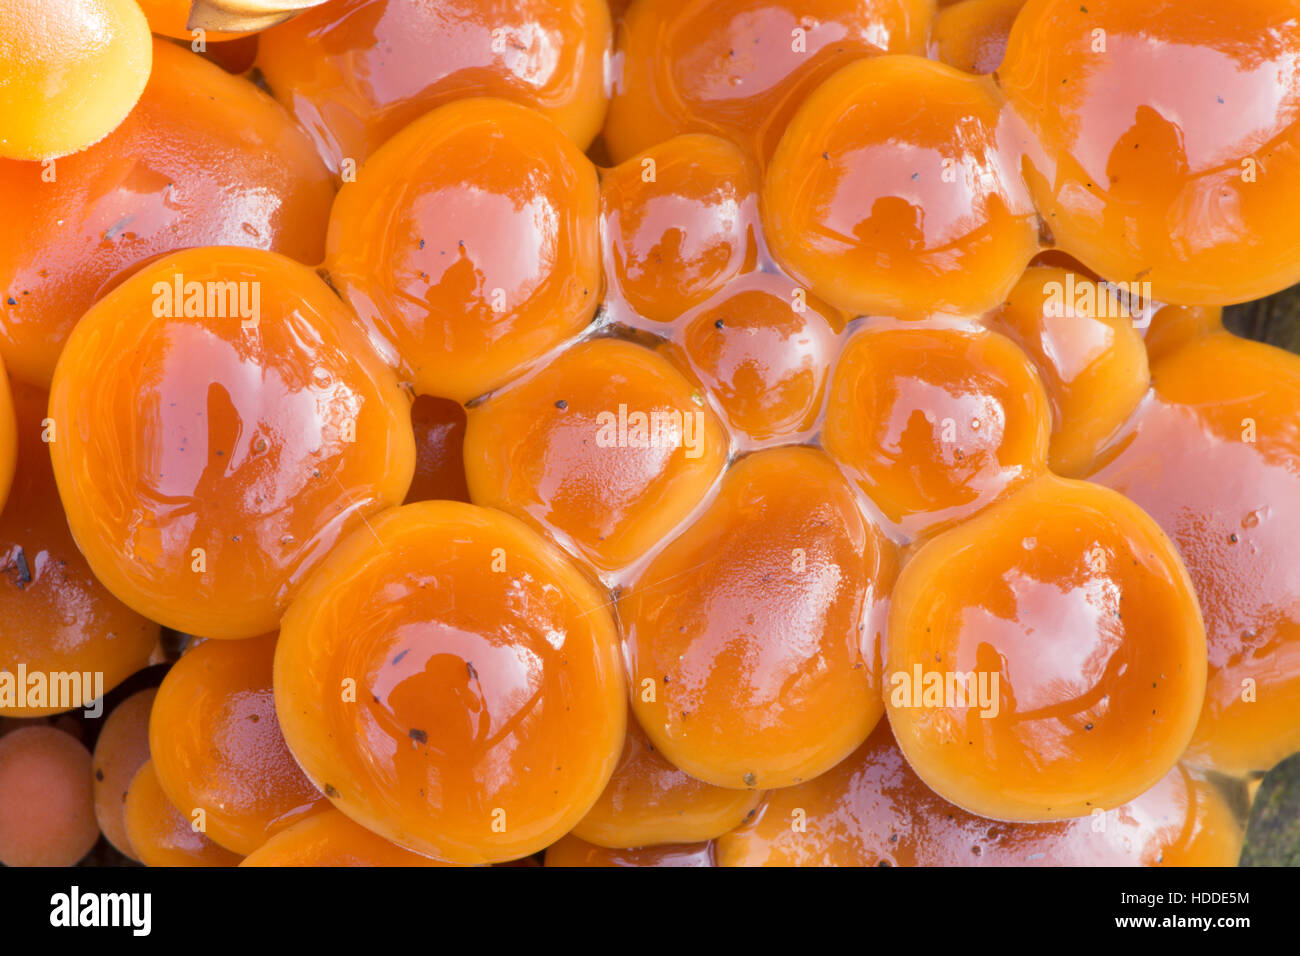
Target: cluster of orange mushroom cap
{"x":738,"y":432}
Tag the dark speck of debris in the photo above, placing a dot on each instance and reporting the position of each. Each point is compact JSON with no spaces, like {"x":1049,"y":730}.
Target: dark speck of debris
{"x":421,"y":243}
{"x":118,"y":227}
{"x":750,"y":779}
{"x":330,"y":791}
{"x":419,"y":736}
{"x":561,"y":404}
{"x":24,"y":570}
{"x":13,"y":301}
{"x":398,"y":658}
{"x":717,"y":324}
{"x":99,"y":775}
{"x":1087,"y":726}
{"x":826,"y":155}
{"x":469,"y":667}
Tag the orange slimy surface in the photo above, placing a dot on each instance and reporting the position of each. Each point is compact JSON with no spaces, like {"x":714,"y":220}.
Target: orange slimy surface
{"x":896,"y":190}
{"x":469,"y":246}
{"x":1214,"y":456}
{"x":680,"y":221}
{"x":452,"y":683}
{"x":204,"y":159}
{"x":1170,"y":138}
{"x":740,"y":68}
{"x":1173,"y":326}
{"x":572,"y":851}
{"x":649,"y":802}
{"x":763,"y":348}
{"x":1088,"y":353}
{"x":873,"y":810}
{"x":217,"y":746}
{"x":331,"y":839}
{"x":55,"y":615}
{"x":752,"y":637}
{"x":218,"y":458}
{"x":1075,"y":623}
{"x":120,"y":752}
{"x":378,"y":65}
{"x":160,"y":834}
{"x":832,"y":258}
{"x":935,"y":423}
{"x":8,"y":437}
{"x":608,"y":448}
{"x":972,"y":35}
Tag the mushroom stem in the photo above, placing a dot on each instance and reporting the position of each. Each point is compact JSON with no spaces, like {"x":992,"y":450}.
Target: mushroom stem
{"x":243,"y":16}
